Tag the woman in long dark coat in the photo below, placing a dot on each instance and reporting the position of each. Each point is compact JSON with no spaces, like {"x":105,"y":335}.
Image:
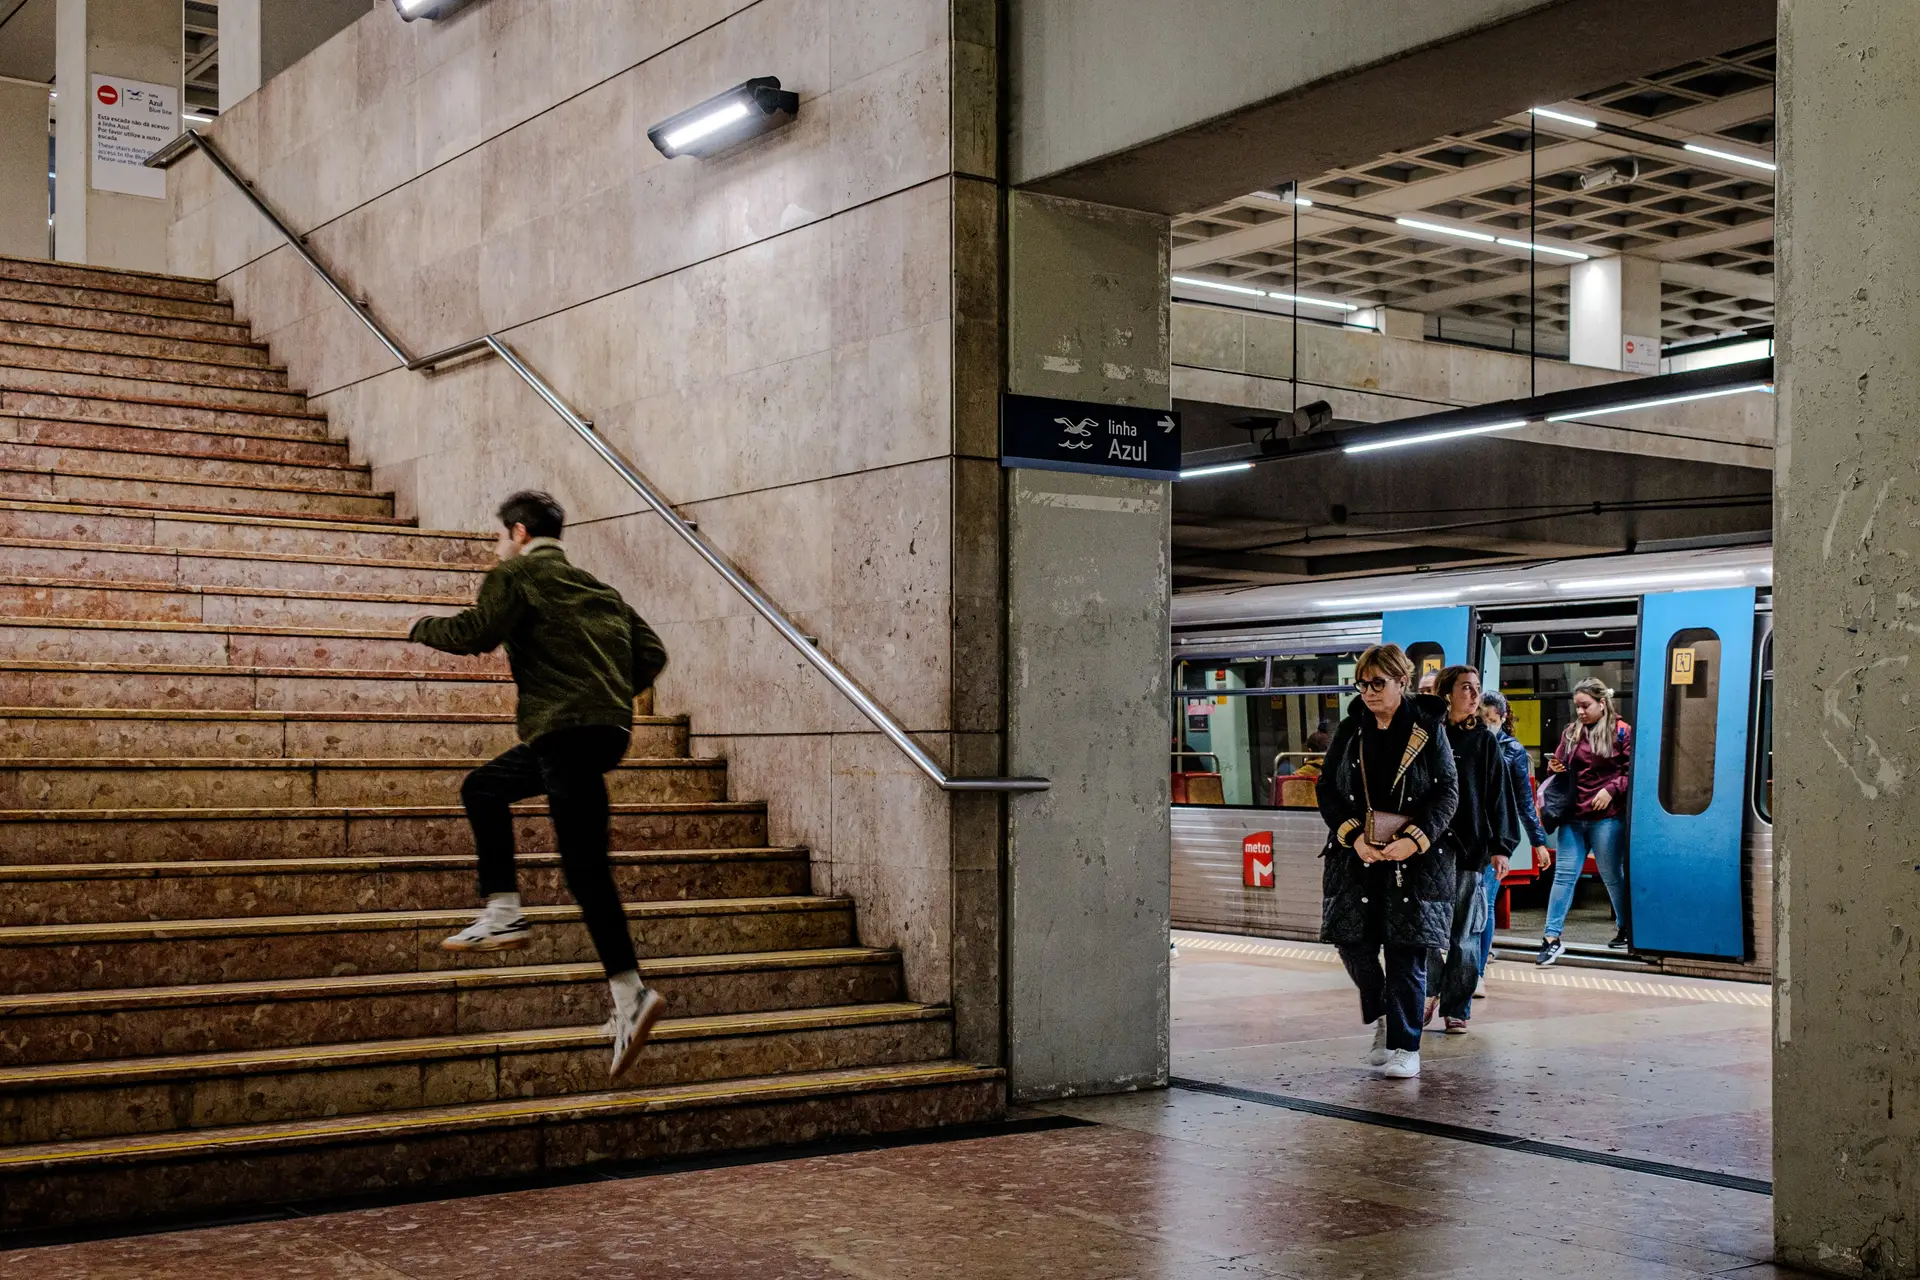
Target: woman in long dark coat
{"x":1387,"y":793}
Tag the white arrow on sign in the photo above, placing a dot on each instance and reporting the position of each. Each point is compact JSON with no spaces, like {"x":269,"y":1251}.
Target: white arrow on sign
{"x":1167,"y":424}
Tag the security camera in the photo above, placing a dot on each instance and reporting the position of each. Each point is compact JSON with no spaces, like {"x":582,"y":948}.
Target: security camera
{"x":1611,"y":172}
{"x":1312,"y":417}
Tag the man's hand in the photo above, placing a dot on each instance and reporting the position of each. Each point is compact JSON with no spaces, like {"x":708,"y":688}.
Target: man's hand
{"x":1500,"y":865}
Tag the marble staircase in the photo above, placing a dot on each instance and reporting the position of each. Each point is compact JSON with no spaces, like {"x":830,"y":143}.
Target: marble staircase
{"x":230,"y":840}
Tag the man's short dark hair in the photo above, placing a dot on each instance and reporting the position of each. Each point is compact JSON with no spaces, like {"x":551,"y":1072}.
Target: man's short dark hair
{"x":538,"y":511}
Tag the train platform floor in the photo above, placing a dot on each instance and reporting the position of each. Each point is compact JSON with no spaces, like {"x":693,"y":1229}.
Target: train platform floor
{"x":1274,"y":1158}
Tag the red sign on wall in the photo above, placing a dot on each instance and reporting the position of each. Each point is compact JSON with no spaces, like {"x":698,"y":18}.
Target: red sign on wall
{"x":1256,"y":860}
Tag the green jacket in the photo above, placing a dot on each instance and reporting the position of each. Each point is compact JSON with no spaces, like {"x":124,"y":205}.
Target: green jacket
{"x":579,"y":653}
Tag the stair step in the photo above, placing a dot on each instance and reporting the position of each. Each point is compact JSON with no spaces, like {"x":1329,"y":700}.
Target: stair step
{"x":228,"y":332}
{"x":118,"y":460}
{"x":158,"y":413}
{"x":109,"y":299}
{"x":109,"y":732}
{"x":123,"y":1178}
{"x":116,"y":892}
{"x":73,"y":337}
{"x":44,"y":378}
{"x":118,"y":562}
{"x":255,"y":948}
{"x":224,"y":497}
{"x":201,"y":644}
{"x":306,"y":536}
{"x":71,"y":275}
{"x":217,"y":606}
{"x":74,"y":1101}
{"x":75,"y":783}
{"x":37,"y":836}
{"x":69,"y":1026}
{"x":92,"y":433}
{"x":67,"y":358}
{"x":148,"y":687}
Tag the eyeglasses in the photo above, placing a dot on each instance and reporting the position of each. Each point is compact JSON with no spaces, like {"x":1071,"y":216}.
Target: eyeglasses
{"x":1376,"y":685}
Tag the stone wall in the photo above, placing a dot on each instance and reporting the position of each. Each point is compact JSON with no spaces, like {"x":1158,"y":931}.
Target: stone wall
{"x":773,"y":337}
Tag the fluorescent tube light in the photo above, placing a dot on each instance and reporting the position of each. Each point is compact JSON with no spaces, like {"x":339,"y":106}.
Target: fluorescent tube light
{"x":1305,"y":301}
{"x":1651,"y":580}
{"x":1445,"y":231}
{"x":1399,"y":597}
{"x":411,"y":9}
{"x":1699,"y":150}
{"x":193,"y":117}
{"x":1537,"y":247}
{"x":1655,"y":404}
{"x":720,"y":123}
{"x":1452,"y":433}
{"x":1563,"y":116}
{"x":1277,"y":198}
{"x":1219,"y":469}
{"x":1197,"y":282}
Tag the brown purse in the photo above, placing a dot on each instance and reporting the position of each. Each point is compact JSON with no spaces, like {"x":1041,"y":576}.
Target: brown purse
{"x":1382,"y":828}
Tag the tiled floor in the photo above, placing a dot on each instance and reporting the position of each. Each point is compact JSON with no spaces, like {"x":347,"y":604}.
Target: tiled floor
{"x":1176,"y":1184}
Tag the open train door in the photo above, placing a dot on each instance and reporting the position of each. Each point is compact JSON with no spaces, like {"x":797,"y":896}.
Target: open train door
{"x":1433,"y":638}
{"x":1689,"y":773}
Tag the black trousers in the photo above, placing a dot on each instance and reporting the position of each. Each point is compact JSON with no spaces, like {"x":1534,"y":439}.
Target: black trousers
{"x":1397,"y":993}
{"x":569,"y":768}
{"x":1456,"y":971}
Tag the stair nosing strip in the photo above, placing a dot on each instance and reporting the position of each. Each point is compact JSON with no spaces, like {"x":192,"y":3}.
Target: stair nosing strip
{"x":175,"y":515}
{"x":239,"y":592}
{"x":562,"y":1109}
{"x":231,"y":553}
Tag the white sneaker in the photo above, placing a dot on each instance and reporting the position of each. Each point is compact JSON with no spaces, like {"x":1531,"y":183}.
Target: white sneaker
{"x":1402,"y":1064}
{"x":489,"y":933}
{"x":1480,"y":988}
{"x":631,"y":1030}
{"x":1378,"y":1055}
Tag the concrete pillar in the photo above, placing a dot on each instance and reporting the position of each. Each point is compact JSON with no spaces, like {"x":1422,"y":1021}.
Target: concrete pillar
{"x":23,"y":168}
{"x":1089,"y":574}
{"x":138,"y":40}
{"x":261,"y":38}
{"x":1846,"y":1063}
{"x":1611,"y":300}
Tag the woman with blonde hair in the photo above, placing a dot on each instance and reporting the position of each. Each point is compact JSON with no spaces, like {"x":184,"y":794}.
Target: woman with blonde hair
{"x":1387,"y":793}
{"x":1596,"y":756}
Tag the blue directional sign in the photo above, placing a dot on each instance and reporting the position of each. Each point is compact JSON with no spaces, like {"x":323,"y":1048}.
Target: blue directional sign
{"x":1100,"y":439}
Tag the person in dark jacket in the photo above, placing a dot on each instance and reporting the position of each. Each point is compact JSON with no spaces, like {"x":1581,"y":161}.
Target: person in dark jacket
{"x":1596,"y":753}
{"x":1498,"y":717}
{"x":579,"y":656}
{"x":1387,"y":793}
{"x":1484,"y":828}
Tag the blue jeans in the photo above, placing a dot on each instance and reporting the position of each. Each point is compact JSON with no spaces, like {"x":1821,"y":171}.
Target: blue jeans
{"x":1486,"y":934}
{"x":1603,"y":838}
{"x":1397,"y":992}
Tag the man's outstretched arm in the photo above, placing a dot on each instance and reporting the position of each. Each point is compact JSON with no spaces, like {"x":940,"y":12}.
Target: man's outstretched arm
{"x":481,"y":628}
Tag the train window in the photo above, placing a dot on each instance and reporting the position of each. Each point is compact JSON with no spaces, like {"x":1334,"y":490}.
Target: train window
{"x":1426,"y":656}
{"x":1691,"y":723}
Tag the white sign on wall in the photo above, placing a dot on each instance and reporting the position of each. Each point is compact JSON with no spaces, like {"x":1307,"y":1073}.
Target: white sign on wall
{"x":131,"y":121}
{"x":1639,"y":355}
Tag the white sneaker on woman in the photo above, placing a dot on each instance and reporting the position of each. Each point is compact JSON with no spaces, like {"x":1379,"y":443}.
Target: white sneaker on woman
{"x":1402,"y":1064}
{"x":1378,"y":1055}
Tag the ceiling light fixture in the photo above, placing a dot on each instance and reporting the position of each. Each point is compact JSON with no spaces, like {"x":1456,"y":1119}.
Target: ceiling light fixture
{"x":1699,"y":150}
{"x":1533,"y":246}
{"x":1198,"y":282}
{"x":432,"y":10}
{"x":1464,"y":234}
{"x":1218,"y":470}
{"x":1652,"y":580}
{"x":1582,"y":121}
{"x":721,"y":123}
{"x":1430,"y":437}
{"x":1663,"y":401}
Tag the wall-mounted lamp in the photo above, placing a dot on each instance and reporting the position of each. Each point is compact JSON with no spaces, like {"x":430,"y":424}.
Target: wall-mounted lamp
{"x":429,"y":9}
{"x":744,"y":111}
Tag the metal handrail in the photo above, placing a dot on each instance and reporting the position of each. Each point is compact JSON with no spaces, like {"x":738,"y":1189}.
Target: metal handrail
{"x":493,"y":344}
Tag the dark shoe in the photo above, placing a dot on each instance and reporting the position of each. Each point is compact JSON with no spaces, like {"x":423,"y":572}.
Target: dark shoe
{"x":1551,"y":949}
{"x":1619,"y":941}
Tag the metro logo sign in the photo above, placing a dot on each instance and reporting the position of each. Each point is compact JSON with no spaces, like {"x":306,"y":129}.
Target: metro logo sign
{"x":1256,"y":860}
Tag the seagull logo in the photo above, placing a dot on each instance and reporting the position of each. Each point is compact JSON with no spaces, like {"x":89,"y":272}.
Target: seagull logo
{"x":1082,"y":428}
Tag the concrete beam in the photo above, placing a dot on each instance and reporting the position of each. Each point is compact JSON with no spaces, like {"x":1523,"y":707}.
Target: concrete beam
{"x":1141,"y":106}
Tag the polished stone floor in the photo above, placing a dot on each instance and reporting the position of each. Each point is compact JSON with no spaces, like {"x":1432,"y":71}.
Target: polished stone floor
{"x":1174,"y":1184}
